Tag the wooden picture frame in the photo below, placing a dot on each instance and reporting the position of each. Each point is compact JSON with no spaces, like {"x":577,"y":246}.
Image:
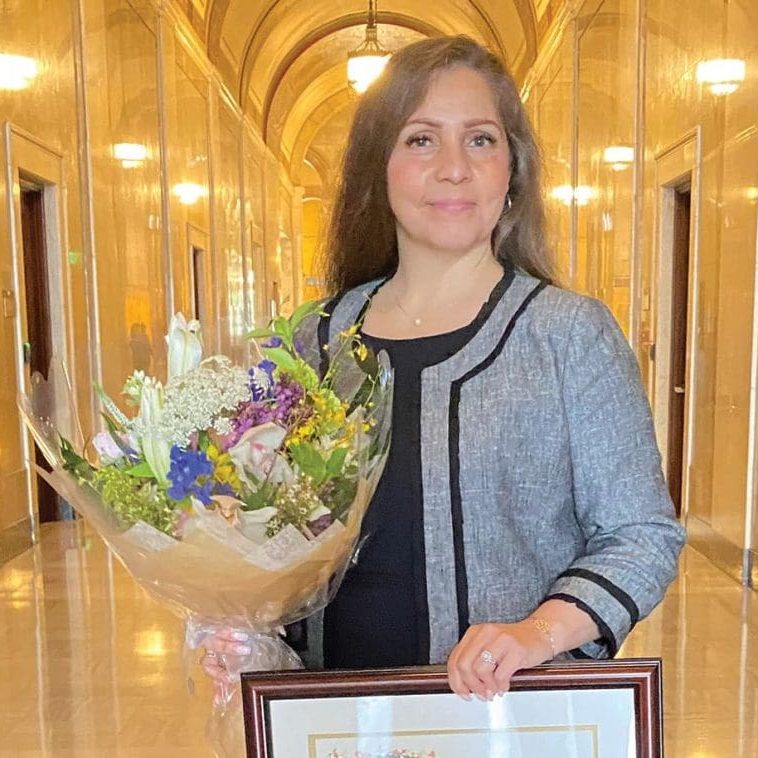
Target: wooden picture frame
{"x":601,"y":709}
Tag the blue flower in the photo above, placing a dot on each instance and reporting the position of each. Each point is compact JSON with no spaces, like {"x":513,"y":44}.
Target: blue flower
{"x":257,"y":392}
{"x":273,"y":342}
{"x":268,"y":366}
{"x":187,"y":468}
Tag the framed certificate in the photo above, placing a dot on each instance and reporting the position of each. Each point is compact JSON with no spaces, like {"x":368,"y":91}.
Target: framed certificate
{"x":593,"y":709}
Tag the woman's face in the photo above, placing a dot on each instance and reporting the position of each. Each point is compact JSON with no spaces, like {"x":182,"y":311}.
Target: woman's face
{"x":449,"y":171}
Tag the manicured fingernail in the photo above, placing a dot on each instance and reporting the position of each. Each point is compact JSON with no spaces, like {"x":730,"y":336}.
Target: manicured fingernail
{"x":500,"y":693}
{"x":242,"y":650}
{"x":490,"y":695}
{"x":479,"y":697}
{"x":239,"y":636}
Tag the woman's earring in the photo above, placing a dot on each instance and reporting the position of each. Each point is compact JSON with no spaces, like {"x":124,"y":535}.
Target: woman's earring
{"x":508,"y":202}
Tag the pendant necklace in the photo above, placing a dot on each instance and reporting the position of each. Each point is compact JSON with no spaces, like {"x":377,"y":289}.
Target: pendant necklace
{"x":416,"y":321}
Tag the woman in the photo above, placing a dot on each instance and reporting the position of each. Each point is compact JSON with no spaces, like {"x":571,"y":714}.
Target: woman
{"x":522,"y":514}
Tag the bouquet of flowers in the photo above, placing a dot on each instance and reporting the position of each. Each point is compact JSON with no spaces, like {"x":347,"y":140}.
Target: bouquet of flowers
{"x":233,"y":494}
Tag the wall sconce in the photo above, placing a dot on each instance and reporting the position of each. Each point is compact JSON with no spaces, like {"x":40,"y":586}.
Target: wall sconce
{"x":189,"y":192}
{"x":17,"y":71}
{"x":367,"y":61}
{"x":618,"y":157}
{"x":721,"y":75}
{"x":131,"y":154}
{"x":567,"y":194}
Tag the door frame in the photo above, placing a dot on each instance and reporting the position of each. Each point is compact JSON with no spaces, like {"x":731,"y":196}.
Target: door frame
{"x":26,"y":153}
{"x":679,"y":163}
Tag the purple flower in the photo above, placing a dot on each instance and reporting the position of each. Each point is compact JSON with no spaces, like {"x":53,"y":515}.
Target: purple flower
{"x":278,"y":406}
{"x":273,"y":342}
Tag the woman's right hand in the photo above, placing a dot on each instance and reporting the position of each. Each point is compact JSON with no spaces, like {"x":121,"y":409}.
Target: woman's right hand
{"x":225,"y":650}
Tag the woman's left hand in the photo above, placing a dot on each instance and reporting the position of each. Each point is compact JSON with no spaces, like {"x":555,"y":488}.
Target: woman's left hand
{"x":511,"y":646}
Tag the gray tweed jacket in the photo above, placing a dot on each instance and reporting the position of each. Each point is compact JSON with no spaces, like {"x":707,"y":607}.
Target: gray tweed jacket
{"x":541,"y":473}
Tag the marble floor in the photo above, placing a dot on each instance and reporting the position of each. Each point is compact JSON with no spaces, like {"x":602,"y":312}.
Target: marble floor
{"x":90,"y":666}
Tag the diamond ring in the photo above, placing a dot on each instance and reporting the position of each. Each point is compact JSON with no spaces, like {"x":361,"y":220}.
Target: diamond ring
{"x":486,"y":657}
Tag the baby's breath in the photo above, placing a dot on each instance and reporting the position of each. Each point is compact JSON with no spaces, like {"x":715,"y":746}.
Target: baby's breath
{"x":201,"y":399}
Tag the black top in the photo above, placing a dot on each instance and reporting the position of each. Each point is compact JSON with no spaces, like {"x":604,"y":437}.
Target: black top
{"x":380,"y":615}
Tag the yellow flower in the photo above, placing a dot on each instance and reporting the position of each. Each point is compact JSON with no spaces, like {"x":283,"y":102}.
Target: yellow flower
{"x":301,"y":433}
{"x":362,"y":352}
{"x":224,"y":471}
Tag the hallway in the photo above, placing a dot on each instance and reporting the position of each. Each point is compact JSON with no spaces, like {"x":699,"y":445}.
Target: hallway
{"x":181,"y":155}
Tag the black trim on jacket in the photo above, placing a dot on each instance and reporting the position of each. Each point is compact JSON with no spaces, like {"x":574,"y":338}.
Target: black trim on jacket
{"x":610,"y":588}
{"x":456,"y":502}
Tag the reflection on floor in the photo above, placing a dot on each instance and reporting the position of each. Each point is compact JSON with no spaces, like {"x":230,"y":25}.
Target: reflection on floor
{"x":92,"y":667}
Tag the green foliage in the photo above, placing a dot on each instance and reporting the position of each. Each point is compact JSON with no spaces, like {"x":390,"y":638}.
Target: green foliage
{"x":261,"y":496}
{"x":336,"y":462}
{"x":296,"y":368}
{"x":310,"y":461}
{"x":284,"y":360}
{"x":133,"y":499}
{"x":338,"y":495}
{"x":285,"y":328}
{"x":74,"y":462}
{"x":142,"y":469}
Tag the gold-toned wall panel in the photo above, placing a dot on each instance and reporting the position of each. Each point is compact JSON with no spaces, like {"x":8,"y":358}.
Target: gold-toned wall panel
{"x":122,"y":88}
{"x":252,"y":164}
{"x":42,"y":105}
{"x":187,"y":121}
{"x":607,"y":76}
{"x":231,"y":267}
{"x":723,"y":213}
{"x":553,"y":121}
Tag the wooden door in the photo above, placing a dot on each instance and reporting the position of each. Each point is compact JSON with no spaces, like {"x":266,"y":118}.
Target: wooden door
{"x":678,"y":361}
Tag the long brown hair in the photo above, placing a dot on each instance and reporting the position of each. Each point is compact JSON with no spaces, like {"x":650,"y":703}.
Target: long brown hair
{"x":362,"y":239}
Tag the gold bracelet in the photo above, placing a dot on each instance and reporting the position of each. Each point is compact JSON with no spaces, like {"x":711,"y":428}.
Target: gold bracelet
{"x":546,"y":628}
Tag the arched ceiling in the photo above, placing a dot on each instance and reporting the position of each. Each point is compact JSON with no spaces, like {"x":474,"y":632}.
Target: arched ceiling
{"x":284,"y":60}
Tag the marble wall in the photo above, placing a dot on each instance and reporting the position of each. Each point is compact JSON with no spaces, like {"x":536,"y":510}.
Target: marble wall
{"x":622,"y":73}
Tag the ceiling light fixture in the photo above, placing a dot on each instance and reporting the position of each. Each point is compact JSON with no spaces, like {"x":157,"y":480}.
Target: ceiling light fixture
{"x":367,"y":61}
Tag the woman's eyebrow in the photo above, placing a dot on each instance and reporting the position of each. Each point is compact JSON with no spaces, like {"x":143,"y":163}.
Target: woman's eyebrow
{"x":466,"y":124}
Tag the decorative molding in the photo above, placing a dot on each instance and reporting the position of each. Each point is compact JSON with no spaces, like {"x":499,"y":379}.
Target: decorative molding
{"x":315,"y":36}
{"x":549,"y":39}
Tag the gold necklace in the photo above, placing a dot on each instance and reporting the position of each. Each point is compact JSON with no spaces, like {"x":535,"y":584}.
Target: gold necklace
{"x":416,"y":321}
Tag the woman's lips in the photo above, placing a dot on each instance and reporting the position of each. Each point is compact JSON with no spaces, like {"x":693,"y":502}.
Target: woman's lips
{"x":452,"y":206}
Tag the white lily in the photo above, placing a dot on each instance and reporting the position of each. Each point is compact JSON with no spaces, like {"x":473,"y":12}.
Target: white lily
{"x":156,"y":450}
{"x":185,"y":347}
{"x":256,"y":454}
{"x":157,"y":453}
